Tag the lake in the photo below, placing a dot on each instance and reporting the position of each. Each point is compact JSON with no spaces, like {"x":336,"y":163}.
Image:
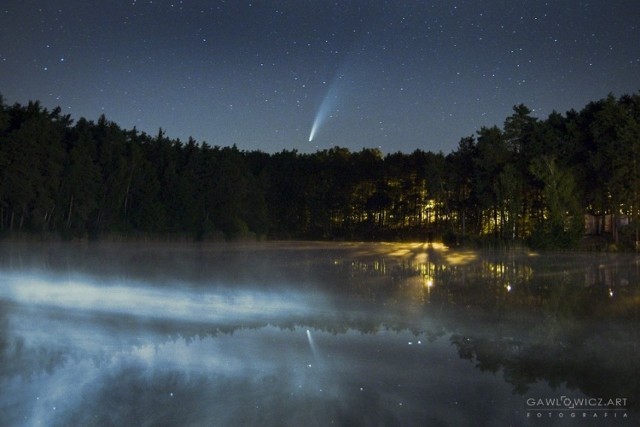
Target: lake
{"x":316,"y":334}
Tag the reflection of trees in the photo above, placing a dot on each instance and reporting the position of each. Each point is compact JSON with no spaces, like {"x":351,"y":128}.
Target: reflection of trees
{"x":562,"y":284}
{"x":598,"y":357}
{"x":588,"y":359}
{"x":18,"y":358}
{"x":559,"y":319}
{"x":566,"y":320}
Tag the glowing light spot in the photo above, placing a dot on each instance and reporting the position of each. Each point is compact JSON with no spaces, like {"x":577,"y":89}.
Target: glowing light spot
{"x":400,"y":252}
{"x":461,"y":258}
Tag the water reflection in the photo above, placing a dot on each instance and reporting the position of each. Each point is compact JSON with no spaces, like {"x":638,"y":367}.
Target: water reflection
{"x":290,"y":334}
{"x":565,"y":319}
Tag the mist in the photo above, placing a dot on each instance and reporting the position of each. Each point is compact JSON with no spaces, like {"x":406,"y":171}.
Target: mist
{"x":303,"y":333}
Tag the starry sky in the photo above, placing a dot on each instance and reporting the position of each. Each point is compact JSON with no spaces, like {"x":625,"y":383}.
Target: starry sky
{"x":397,"y":75}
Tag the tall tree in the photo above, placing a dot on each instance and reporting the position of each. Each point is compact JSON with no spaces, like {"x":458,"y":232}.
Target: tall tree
{"x":493,"y":155}
{"x":80,"y":182}
{"x":563,"y":222}
{"x":462,"y":174}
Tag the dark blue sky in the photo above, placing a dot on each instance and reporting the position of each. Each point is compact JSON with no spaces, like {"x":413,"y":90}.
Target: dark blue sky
{"x":396,"y":75}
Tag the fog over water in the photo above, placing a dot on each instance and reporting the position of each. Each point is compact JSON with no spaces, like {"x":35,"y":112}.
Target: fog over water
{"x":314,"y":334}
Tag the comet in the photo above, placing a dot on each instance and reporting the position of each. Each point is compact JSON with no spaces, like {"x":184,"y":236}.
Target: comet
{"x":327,"y":106}
{"x":312,"y":345}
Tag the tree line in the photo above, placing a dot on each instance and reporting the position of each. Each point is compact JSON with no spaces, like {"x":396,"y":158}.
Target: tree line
{"x":530,"y":181}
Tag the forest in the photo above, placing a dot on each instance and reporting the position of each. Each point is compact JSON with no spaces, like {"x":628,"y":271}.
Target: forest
{"x":568,"y":181}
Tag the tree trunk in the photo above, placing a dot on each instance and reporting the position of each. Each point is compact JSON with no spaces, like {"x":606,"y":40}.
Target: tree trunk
{"x":126,"y":199}
{"x":69,"y":214}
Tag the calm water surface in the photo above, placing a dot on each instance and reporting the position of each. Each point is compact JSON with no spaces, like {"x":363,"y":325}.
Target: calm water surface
{"x":290,"y":334}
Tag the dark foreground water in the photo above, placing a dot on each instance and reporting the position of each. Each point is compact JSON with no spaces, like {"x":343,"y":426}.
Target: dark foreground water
{"x":299,"y":334}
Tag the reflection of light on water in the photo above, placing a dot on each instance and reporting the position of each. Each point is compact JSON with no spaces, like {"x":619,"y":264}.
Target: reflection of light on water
{"x":437,"y":246}
{"x":379,"y":267}
{"x":421,"y":252}
{"x":399,"y":252}
{"x":421,"y":258}
{"x":459,"y":258}
{"x":312,"y":345}
{"x":428,"y":272}
{"x":498,"y":268}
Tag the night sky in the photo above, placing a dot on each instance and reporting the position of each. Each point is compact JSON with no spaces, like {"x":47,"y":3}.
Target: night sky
{"x":395,"y":75}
